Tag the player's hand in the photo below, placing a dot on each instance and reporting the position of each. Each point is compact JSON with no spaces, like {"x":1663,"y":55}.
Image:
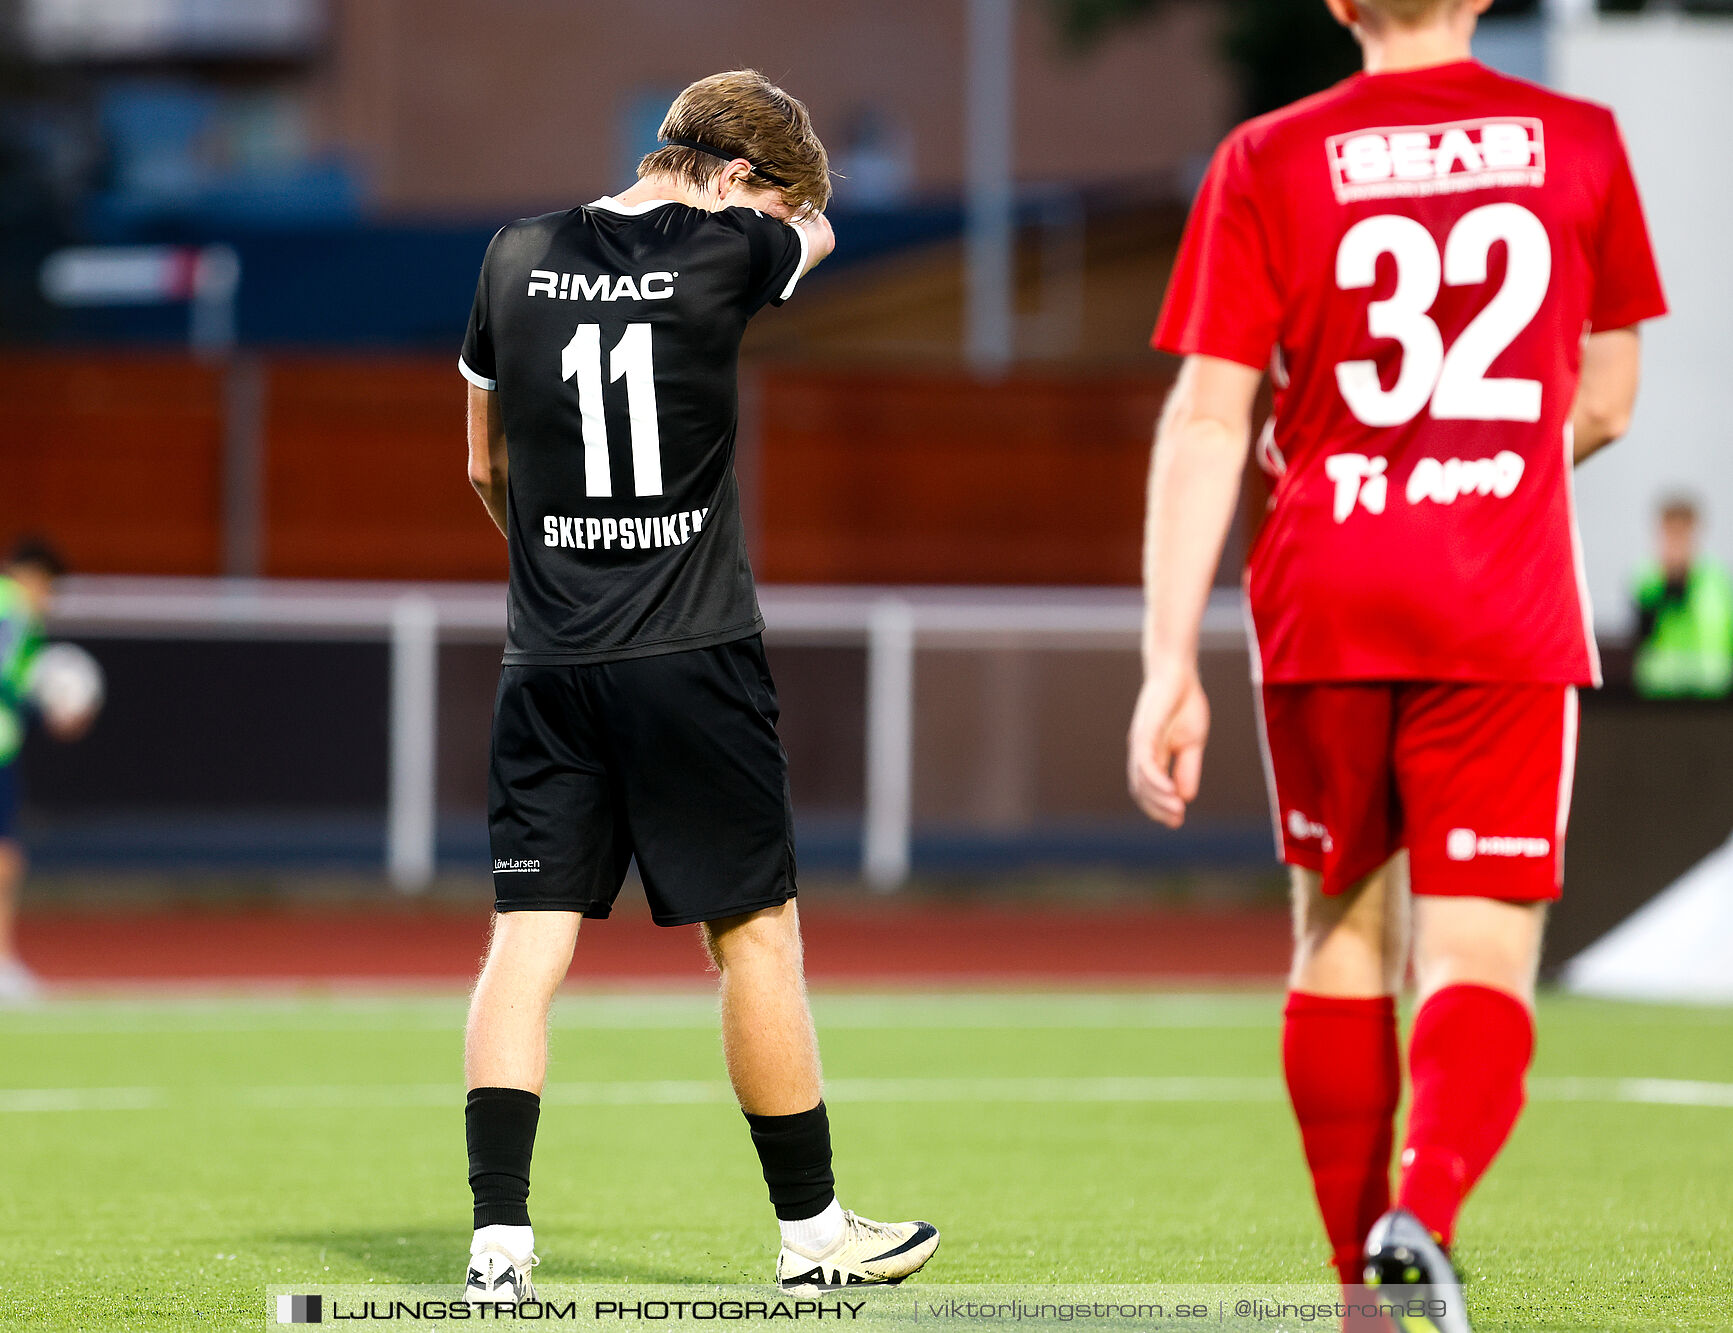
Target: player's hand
{"x":1168,"y":729}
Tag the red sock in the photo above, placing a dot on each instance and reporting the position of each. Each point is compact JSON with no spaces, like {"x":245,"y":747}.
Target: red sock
{"x":1467,"y":1058}
{"x":1344,"y":1078}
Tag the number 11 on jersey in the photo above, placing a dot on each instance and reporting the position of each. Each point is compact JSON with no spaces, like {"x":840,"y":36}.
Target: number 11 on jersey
{"x":582,"y":360}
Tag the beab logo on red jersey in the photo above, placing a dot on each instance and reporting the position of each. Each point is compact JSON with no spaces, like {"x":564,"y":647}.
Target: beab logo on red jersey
{"x":1413,"y":160}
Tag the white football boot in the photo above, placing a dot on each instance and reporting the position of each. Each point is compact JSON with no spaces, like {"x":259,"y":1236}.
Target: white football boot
{"x":496,"y":1275}
{"x":865,"y":1252}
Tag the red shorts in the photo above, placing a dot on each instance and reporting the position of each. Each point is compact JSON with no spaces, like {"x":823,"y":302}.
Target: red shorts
{"x":1473,"y":779}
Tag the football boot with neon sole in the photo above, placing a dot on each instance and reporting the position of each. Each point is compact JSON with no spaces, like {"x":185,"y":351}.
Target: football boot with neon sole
{"x":1402,"y":1253}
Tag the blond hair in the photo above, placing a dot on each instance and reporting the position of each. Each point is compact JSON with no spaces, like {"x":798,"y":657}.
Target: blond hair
{"x":743,"y":114}
{"x":1408,"y":13}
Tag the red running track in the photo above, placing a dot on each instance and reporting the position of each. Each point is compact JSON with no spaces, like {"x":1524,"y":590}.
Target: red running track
{"x":896,"y":943}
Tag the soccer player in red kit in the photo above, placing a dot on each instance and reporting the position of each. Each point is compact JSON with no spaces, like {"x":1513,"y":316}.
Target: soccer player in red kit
{"x":1443,"y":270}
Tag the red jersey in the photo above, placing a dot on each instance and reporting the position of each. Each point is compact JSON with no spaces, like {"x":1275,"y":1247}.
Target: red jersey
{"x":1417,"y":256}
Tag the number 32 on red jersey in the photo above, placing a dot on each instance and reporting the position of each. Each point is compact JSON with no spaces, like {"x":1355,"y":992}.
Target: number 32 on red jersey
{"x":1453,"y":381}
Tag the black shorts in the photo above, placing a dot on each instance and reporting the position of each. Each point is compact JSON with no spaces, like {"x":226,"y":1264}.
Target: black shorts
{"x":673,"y":759}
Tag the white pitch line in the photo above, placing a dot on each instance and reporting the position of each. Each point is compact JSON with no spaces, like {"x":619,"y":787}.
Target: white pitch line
{"x":81,"y":1099}
{"x":695,"y":1092}
{"x":1642,"y":1091}
{"x":1062,"y":1089}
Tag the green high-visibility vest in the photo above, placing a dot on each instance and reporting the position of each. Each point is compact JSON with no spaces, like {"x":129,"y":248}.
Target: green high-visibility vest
{"x":1689,"y":653}
{"x":20,"y":639}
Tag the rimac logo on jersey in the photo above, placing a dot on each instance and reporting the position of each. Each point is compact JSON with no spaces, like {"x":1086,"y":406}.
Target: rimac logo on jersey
{"x":1414,"y":160}
{"x":601,"y":286}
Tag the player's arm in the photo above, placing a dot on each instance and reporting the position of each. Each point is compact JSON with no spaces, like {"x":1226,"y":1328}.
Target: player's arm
{"x":1627,"y":291}
{"x":487,"y":453}
{"x":819,"y":239}
{"x":1612,"y":365}
{"x":1194,"y":485}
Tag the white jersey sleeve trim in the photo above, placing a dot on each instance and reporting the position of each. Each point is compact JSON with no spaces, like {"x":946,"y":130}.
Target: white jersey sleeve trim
{"x":480,"y":382}
{"x":800,"y":268}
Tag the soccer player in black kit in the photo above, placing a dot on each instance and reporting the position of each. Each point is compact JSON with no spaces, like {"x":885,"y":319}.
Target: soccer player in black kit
{"x":635,"y":713}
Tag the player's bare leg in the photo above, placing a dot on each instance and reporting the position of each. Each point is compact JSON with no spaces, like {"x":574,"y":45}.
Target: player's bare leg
{"x":505,"y":1063}
{"x":1339,"y":1047}
{"x":1354,"y":943}
{"x":772,"y":1056}
{"x":1477,"y":942}
{"x":768,"y":1040}
{"x":506,"y":1041}
{"x":16,"y":982}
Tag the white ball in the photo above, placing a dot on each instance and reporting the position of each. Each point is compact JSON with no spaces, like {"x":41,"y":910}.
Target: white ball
{"x":66,"y":684}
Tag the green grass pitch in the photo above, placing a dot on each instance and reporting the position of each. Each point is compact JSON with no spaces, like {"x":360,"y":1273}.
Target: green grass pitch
{"x":166,"y":1159}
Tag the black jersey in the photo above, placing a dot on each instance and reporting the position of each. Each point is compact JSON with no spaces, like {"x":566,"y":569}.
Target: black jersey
{"x":612,"y":335}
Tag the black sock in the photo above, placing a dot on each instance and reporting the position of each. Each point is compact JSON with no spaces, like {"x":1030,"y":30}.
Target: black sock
{"x":795,"y":1153}
{"x":500,"y":1124}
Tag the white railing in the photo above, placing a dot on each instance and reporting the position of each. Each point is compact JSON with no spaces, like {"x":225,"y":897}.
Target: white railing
{"x":890,"y":623}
